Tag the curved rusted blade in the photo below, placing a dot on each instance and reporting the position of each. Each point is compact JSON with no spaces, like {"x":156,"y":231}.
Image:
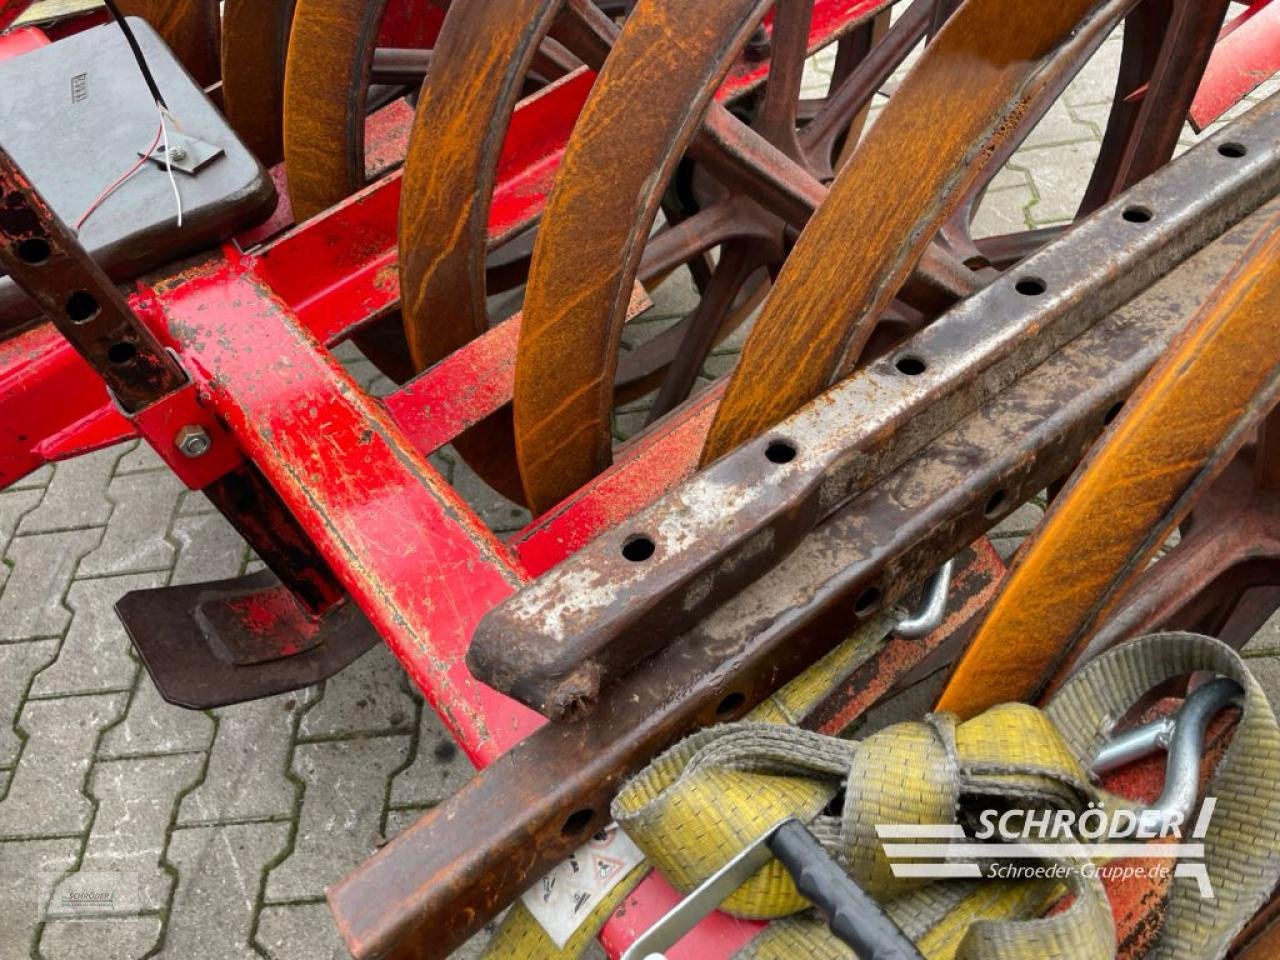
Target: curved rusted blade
{"x":478,"y":65}
{"x":189,"y":27}
{"x":923,"y":155}
{"x":255,"y":39}
{"x":1176,"y":434}
{"x":598,"y":217}
{"x":326,"y":87}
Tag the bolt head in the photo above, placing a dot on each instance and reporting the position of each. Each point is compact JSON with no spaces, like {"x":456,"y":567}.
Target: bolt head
{"x":177,"y":154}
{"x":193,"y":440}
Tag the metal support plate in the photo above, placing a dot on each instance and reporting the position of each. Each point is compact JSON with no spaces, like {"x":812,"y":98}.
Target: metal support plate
{"x":105,"y":117}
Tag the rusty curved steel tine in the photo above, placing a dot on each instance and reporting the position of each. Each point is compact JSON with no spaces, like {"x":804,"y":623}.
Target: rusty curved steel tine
{"x":255,"y":41}
{"x":594,"y":231}
{"x":1225,"y":369}
{"x":326,"y":88}
{"x":189,"y":27}
{"x":479,"y":63}
{"x":1167,"y":44}
{"x":982,"y":71}
{"x":478,"y":66}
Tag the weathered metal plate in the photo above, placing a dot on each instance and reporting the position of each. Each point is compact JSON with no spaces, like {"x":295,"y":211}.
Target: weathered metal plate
{"x":211,"y":644}
{"x":105,"y":113}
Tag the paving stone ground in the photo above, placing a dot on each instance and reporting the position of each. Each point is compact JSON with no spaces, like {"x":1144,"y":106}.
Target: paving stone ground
{"x":231,"y":822}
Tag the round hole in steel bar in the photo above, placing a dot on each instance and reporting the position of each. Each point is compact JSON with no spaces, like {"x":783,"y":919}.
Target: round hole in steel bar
{"x":1232,"y":149}
{"x":1137,"y":214}
{"x":995,"y":503}
{"x":1113,"y":412}
{"x":867,"y":601}
{"x":730,"y":704}
{"x":1030,"y":286}
{"x":34,"y":251}
{"x":122,"y":353}
{"x":576,"y":822}
{"x":82,"y":306}
{"x":780,"y":451}
{"x":638,"y":548}
{"x":911,"y":366}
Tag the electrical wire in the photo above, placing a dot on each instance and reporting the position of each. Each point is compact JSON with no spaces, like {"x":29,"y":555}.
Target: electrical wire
{"x":101,"y":198}
{"x":168,"y":159}
{"x":132,"y":40}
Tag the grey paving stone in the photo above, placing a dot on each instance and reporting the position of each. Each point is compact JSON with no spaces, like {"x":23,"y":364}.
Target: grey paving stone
{"x":46,"y":795}
{"x":40,"y":570}
{"x":438,"y":769}
{"x":208,"y":549}
{"x":219,"y":875}
{"x":14,"y":504}
{"x":1097,"y":83}
{"x":152,"y":726}
{"x":300,"y":932}
{"x":1057,"y":127}
{"x":76,"y":496}
{"x":367,"y":697}
{"x":139,"y":458}
{"x":1266,"y":642}
{"x":247,"y":776}
{"x":339,"y":824}
{"x":96,"y":654}
{"x":136,"y":799}
{"x":18,"y":664}
{"x":1060,"y":185}
{"x":122,"y":938}
{"x":36,"y":479}
{"x":193,"y":503}
{"x":1004,"y":211}
{"x":136,"y":536}
{"x":24,"y":865}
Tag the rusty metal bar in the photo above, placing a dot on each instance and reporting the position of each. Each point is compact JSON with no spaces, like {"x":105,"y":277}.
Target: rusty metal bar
{"x":44,"y":258}
{"x":439,"y":881}
{"x":623,"y":597}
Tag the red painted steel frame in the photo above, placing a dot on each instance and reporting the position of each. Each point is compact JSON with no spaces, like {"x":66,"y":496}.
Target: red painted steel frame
{"x":1247,"y":53}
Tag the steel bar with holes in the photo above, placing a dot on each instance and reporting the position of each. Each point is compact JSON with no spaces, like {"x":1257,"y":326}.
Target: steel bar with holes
{"x":469,"y":857}
{"x":557,"y":643}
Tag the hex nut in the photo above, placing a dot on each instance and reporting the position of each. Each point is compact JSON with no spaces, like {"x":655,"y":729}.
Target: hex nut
{"x":193,"y":440}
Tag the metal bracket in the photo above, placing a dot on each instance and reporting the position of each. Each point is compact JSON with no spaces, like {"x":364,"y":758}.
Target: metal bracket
{"x":191,"y":441}
{"x":185,"y":153}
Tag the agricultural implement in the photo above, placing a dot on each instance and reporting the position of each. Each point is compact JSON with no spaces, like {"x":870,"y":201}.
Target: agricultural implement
{"x":482,"y":196}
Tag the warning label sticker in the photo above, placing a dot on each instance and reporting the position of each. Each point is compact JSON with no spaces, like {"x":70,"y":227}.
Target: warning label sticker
{"x":565,"y":897}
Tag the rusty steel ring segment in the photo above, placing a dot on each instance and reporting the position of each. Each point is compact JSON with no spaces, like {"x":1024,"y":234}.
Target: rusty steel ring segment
{"x":255,"y":41}
{"x":189,"y":27}
{"x":327,"y":73}
{"x":478,"y":68}
{"x":479,"y":65}
{"x":982,"y":72}
{"x":598,"y":218}
{"x":1176,"y":434}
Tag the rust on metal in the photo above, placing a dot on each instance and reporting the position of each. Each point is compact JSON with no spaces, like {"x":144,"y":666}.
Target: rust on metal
{"x":621,"y":597}
{"x":471,"y":856}
{"x":979,"y":72}
{"x":1174,"y":436}
{"x":44,"y":258}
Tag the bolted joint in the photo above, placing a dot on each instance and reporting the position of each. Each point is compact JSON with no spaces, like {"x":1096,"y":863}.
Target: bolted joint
{"x":193,"y":440}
